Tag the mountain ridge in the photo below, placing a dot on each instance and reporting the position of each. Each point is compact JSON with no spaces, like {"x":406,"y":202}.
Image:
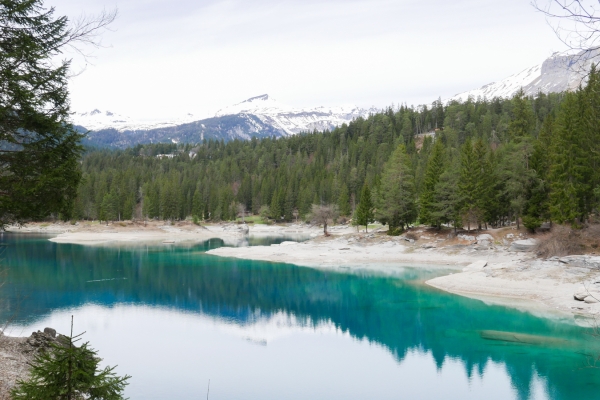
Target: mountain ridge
{"x":258,"y":116}
{"x":558,"y":73}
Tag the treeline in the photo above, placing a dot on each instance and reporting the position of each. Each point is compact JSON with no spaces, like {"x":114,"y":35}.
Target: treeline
{"x":474,"y":163}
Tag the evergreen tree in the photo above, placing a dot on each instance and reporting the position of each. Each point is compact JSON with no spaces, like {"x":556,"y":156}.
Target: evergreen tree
{"x":435,"y":167}
{"x":567,"y":162}
{"x":69,"y":372}
{"x":396,"y":197}
{"x":364,"y":211}
{"x":469,"y":185}
{"x":446,"y":200}
{"x":521,"y":123}
{"x":275,"y":207}
{"x":344,"y":202}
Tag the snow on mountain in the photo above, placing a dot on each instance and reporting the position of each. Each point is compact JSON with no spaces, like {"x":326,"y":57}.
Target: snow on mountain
{"x":96,"y":120}
{"x":558,"y":73}
{"x":253,"y":116}
{"x":291,"y":120}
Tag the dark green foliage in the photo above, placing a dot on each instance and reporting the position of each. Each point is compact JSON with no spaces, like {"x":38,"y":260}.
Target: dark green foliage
{"x":364,"y":212}
{"x":489,"y":163}
{"x":69,"y":372}
{"x":435,"y":167}
{"x":39,"y":150}
{"x":396,"y":205}
{"x":531,"y":223}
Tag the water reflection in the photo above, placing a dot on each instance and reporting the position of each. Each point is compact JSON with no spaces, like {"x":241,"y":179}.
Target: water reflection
{"x":149,"y":293}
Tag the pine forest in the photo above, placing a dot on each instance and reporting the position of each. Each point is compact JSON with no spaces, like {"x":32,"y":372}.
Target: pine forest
{"x":466,"y":164}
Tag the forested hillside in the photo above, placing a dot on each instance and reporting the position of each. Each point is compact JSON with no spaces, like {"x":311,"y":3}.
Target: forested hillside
{"x":465,"y":163}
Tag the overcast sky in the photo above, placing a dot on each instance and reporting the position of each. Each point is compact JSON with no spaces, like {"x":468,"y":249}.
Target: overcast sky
{"x":169,"y":57}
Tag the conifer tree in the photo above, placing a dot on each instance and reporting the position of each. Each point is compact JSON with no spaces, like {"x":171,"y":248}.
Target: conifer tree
{"x":567,"y":159}
{"x":435,"y":167}
{"x":70,"y":372}
{"x":344,"y":201}
{"x":469,"y":185}
{"x":521,"y":123}
{"x":39,"y":148}
{"x":275,"y":206}
{"x":446,"y":201}
{"x":395,"y":201}
{"x":364,"y":211}
{"x":537,"y":208}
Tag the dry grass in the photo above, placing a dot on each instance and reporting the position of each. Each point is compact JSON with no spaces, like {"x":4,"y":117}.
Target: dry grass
{"x":564,"y":241}
{"x":411,"y":235}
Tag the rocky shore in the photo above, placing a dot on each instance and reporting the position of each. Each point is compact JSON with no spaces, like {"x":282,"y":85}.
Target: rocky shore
{"x":16,"y":353}
{"x":498,"y":266}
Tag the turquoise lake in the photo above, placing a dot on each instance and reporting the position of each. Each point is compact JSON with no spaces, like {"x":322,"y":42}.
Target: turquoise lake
{"x":173,"y":318}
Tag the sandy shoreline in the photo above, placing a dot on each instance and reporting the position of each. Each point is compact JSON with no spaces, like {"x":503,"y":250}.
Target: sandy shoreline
{"x":486,"y":270}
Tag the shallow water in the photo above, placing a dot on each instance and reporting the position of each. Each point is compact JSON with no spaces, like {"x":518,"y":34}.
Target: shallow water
{"x":174,"y":317}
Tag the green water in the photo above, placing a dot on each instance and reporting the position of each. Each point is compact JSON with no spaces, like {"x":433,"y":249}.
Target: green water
{"x":174,"y":317}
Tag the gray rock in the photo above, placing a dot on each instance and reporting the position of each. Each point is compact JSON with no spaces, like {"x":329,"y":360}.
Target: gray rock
{"x":591,"y":300}
{"x":486,"y":237}
{"x":580,"y":296}
{"x":428,"y":246}
{"x":466,"y":237}
{"x":50,"y":332}
{"x":523,"y":245}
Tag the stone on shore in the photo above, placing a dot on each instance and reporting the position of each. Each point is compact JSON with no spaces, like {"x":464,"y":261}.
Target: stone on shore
{"x":523,"y":245}
{"x":486,"y":237}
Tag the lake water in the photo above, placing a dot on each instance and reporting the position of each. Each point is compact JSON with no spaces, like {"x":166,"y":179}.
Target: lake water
{"x":173,"y":318}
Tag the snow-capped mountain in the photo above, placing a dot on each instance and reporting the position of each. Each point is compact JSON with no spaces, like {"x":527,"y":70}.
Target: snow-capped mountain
{"x":96,"y":120}
{"x":291,"y":120}
{"x":258,"y":116}
{"x":558,"y":73}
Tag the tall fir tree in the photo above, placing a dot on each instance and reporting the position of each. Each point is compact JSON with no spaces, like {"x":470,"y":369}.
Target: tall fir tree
{"x":395,"y":200}
{"x":364,"y":212}
{"x":435,"y":168}
{"x":567,"y":158}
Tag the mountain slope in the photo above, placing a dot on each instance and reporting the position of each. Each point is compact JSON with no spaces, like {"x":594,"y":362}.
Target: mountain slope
{"x":259,"y":116}
{"x":558,"y":73}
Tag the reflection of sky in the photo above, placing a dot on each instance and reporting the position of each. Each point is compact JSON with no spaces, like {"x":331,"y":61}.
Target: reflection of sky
{"x":174,"y":354}
{"x":141,"y":305}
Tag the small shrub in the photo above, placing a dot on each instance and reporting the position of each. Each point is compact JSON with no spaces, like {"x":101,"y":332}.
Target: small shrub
{"x":195,"y":220}
{"x":395,"y":232}
{"x":531,"y":223}
{"x":73,"y":222}
{"x":66,"y":371}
